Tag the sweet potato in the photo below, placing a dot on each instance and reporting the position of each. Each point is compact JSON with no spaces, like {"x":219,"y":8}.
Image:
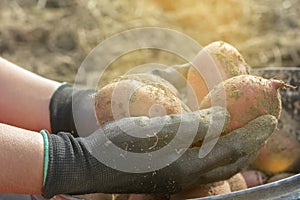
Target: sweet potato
{"x":136,"y":95}
{"x":210,"y":189}
{"x":254,"y":178}
{"x":237,"y":182}
{"x":148,"y":197}
{"x":280,"y":154}
{"x":279,"y":176}
{"x":246,"y":97}
{"x":226,"y":58}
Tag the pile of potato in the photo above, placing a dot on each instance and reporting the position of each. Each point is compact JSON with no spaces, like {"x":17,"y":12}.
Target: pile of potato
{"x":247,"y":97}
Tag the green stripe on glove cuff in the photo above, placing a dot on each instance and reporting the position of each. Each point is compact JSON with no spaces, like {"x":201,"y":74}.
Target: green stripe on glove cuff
{"x":46,"y":153}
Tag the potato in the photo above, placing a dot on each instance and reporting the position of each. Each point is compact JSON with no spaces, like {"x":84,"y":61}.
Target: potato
{"x":120,"y":196}
{"x":136,"y":95}
{"x":148,"y":197}
{"x":210,"y":189}
{"x":229,"y":63}
{"x":279,"y":176}
{"x":237,"y":182}
{"x":280,"y":154}
{"x":95,"y":196}
{"x":246,"y":98}
{"x":254,"y":178}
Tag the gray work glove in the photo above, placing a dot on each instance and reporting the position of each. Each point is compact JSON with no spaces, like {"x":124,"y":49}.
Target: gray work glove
{"x":90,"y":165}
{"x":71,"y":110}
{"x":175,"y":74}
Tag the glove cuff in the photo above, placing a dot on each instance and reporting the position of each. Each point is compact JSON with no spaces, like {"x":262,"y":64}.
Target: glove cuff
{"x":66,"y":165}
{"x":44,"y":133}
{"x":61,"y":117}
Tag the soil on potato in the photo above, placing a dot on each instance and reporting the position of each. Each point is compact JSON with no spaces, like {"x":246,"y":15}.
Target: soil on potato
{"x":52,"y":37}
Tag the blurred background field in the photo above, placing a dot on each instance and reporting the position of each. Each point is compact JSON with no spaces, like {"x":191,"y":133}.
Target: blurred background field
{"x":52,"y":37}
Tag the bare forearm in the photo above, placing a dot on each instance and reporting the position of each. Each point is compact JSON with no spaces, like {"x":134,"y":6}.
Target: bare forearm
{"x":21,"y":155}
{"x":25,"y":97}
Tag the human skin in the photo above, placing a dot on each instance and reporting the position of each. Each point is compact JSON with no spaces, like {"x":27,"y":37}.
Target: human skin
{"x":25,"y":97}
{"x":22,"y":158}
{"x":24,"y":111}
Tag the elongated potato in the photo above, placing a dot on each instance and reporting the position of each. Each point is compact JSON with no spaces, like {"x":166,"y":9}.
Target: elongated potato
{"x":228,"y":61}
{"x":246,"y":97}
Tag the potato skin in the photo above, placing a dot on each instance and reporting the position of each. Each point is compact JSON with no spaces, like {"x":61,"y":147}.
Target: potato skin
{"x":237,"y":182}
{"x":254,"y":178}
{"x":136,"y":95}
{"x":229,"y":63}
{"x":246,"y":97}
{"x":148,"y":197}
{"x":280,"y":154}
{"x":279,"y":176}
{"x":210,"y":189}
{"x":95,"y":196}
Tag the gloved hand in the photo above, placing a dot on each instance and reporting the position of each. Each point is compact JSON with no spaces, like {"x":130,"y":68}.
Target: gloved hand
{"x":175,"y":74}
{"x":71,"y":110}
{"x":89,"y":165}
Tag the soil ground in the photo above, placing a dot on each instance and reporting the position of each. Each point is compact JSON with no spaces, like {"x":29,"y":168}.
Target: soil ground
{"x":52,"y":37}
